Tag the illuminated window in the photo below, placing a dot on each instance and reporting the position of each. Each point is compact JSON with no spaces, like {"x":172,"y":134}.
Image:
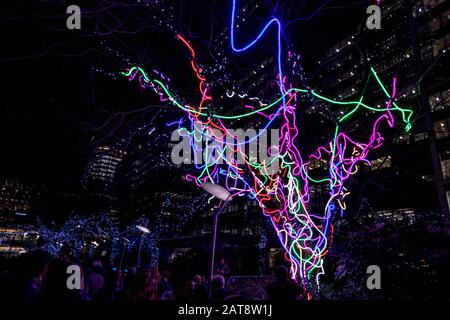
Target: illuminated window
{"x":440,"y":100}
{"x":384,"y":162}
{"x":434,"y":24}
{"x":441,"y":128}
{"x":448,"y":197}
{"x":420,"y":136}
{"x":402,"y":139}
{"x":322,"y":163}
{"x":445,"y":164}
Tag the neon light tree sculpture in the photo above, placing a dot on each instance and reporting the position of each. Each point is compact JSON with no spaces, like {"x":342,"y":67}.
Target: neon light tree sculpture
{"x":284,"y":195}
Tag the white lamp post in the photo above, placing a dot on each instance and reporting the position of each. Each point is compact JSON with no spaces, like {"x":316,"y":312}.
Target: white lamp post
{"x":125,"y":241}
{"x":144,"y":231}
{"x":222,"y":194}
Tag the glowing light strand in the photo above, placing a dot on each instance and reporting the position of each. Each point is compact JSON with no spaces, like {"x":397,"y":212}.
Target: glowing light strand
{"x":284,"y":197}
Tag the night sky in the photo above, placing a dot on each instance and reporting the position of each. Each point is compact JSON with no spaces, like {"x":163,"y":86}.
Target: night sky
{"x":53,"y":99}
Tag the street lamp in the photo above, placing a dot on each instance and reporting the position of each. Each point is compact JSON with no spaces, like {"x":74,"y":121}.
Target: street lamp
{"x":125,"y":241}
{"x":144,"y":231}
{"x":92,"y":247}
{"x":222,"y":194}
{"x":216,"y":190}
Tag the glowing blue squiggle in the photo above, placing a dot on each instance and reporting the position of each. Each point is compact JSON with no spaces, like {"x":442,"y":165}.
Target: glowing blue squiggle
{"x":249,"y":45}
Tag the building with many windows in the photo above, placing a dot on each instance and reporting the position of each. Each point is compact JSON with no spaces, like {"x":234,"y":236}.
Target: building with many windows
{"x":21,"y":200}
{"x":20,"y":204}
{"x":98,"y":183}
{"x":410,"y":173}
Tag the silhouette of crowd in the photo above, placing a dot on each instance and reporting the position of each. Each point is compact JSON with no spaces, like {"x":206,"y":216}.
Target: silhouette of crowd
{"x":36,"y":276}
